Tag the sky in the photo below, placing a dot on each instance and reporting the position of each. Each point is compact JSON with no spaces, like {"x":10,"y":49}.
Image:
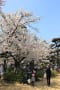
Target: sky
{"x":47,"y":10}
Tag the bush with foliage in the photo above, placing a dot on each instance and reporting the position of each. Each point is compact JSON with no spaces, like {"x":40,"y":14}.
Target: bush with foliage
{"x":40,"y":73}
{"x":11,"y":76}
{"x":54,"y":73}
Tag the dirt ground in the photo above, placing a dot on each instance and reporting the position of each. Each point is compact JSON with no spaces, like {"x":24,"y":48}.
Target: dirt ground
{"x":55,"y":85}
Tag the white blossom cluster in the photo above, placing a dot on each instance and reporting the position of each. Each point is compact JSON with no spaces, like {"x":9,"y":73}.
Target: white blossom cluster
{"x":16,"y":38}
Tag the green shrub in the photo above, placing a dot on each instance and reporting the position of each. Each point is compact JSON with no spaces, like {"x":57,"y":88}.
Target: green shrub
{"x":11,"y":76}
{"x":54,"y":73}
{"x":19,"y":76}
{"x":40,"y":73}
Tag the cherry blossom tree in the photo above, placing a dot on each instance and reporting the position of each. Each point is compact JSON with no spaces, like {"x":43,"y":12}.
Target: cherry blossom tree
{"x":16,"y":40}
{"x":14,"y":33}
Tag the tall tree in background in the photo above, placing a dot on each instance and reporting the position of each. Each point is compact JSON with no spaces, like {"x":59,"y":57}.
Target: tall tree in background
{"x":14,"y":32}
{"x":15,"y":37}
{"x":55,"y":51}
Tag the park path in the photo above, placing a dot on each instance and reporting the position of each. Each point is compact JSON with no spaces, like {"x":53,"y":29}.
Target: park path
{"x":55,"y":85}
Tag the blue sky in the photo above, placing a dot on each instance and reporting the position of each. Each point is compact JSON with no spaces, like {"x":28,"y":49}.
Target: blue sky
{"x":48,"y":10}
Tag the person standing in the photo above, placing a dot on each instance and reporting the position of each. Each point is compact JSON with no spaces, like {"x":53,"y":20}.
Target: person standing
{"x":33,"y":78}
{"x":48,"y":75}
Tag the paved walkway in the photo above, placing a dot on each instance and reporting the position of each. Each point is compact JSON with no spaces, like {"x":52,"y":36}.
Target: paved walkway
{"x":55,"y":85}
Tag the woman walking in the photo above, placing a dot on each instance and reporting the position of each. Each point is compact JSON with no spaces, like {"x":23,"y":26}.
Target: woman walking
{"x":48,"y":75}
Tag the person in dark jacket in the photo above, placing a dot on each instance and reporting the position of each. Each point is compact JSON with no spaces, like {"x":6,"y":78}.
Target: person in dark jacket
{"x":48,"y":75}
